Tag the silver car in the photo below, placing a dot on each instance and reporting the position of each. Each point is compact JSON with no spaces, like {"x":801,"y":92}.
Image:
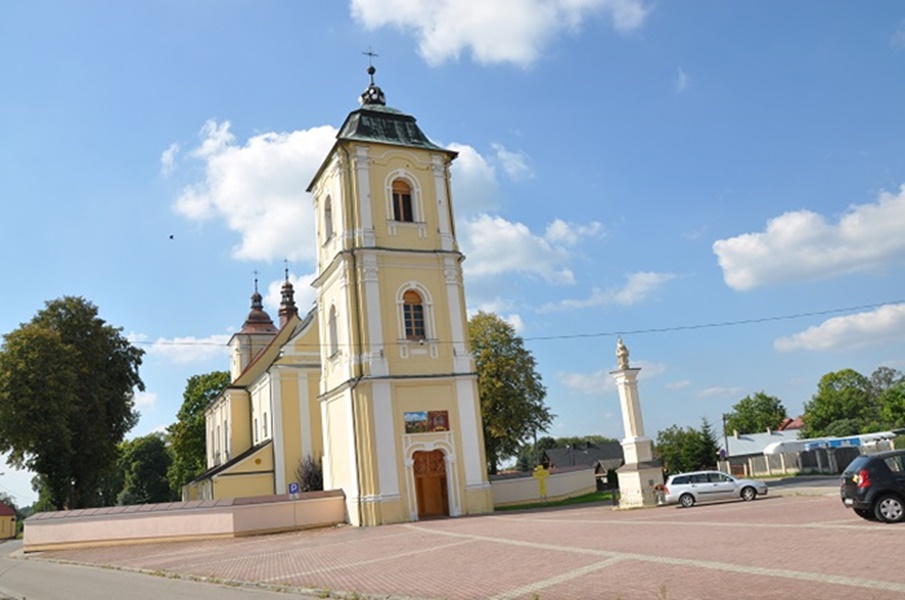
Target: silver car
{"x":701,"y":486}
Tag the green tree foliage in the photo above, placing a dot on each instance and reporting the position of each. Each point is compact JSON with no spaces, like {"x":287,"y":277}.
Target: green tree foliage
{"x":144,"y":464}
{"x":187,"y":437}
{"x":754,"y":414}
{"x":511,"y":390}
{"x":892,"y":406}
{"x":687,"y":449}
{"x":842,"y":395}
{"x":67,"y":382}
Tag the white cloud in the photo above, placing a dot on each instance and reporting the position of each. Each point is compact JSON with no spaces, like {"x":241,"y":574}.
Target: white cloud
{"x":569,"y":234}
{"x":638,"y":287}
{"x":515,"y":164}
{"x":597,"y":383}
{"x":600,"y":382}
{"x":258,"y":189}
{"x":898,"y":38}
{"x":885,"y":324}
{"x":502,"y":308}
{"x":516,"y":321}
{"x":502,"y":31}
{"x":168,"y":159}
{"x":696,"y":234}
{"x":802,"y":246}
{"x":494,"y":245}
{"x":187,"y":350}
{"x":678,"y":385}
{"x":474,"y":182}
{"x":682,"y":81}
{"x":145,"y":400}
{"x":721,"y":392}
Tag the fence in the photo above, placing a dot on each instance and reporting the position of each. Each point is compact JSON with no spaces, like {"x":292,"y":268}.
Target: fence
{"x":828,"y":461}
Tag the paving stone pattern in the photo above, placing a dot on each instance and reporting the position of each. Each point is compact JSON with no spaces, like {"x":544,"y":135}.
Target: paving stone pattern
{"x":776,"y":547}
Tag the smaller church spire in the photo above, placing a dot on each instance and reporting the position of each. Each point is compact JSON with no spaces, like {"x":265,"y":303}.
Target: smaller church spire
{"x":288,"y":308}
{"x":372,"y":94}
{"x":258,"y":320}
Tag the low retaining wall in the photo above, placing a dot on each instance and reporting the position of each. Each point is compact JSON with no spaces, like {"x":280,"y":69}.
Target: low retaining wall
{"x":228,"y":517}
{"x":523,"y":488}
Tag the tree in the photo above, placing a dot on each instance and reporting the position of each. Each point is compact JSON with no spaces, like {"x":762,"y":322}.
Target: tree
{"x":310,"y":474}
{"x":842,"y":395}
{"x":512,"y":393}
{"x":67,"y":382}
{"x":892,"y":406}
{"x":686,"y":449}
{"x":756,"y":414}
{"x":187,"y":436}
{"x":144,"y":464}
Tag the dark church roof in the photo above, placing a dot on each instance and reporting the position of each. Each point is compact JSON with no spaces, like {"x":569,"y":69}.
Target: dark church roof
{"x":377,"y":122}
{"x":607,"y":455}
{"x":258,"y":320}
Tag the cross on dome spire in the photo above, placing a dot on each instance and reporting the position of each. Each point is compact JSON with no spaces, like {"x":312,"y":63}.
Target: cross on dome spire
{"x":373,"y":94}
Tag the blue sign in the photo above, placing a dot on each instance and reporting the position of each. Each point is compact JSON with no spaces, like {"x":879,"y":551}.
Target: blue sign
{"x":293,"y":488}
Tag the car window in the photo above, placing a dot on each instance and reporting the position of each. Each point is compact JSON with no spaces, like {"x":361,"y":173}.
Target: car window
{"x":699,"y":478}
{"x":857,"y":464}
{"x":895,"y":463}
{"x":681,"y":480}
{"x":719,"y":478}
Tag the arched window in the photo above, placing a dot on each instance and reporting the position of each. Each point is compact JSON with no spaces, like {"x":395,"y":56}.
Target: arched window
{"x":328,"y":218}
{"x":402,"y":201}
{"x":332,"y":332}
{"x":413,"y":315}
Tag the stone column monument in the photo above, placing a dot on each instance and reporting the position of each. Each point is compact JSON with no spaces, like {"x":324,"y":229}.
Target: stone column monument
{"x":640,"y":473}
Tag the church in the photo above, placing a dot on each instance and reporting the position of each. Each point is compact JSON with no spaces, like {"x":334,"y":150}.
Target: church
{"x":377,"y":381}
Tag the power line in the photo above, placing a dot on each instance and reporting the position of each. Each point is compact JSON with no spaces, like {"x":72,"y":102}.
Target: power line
{"x":712,"y":325}
{"x":572,"y":336}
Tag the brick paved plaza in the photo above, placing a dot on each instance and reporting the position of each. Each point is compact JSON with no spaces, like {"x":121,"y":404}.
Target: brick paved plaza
{"x":776,"y":547}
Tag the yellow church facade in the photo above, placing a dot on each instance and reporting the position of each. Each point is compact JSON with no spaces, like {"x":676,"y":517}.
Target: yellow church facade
{"x":377,"y":380}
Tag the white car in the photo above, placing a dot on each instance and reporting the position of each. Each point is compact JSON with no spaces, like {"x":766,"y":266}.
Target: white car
{"x":700,"y":486}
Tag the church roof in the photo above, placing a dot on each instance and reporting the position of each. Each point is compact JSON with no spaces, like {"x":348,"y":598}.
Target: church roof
{"x":377,"y":122}
{"x":258,"y":320}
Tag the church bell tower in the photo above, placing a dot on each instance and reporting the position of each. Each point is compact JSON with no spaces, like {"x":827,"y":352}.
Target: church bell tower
{"x":399,"y":398}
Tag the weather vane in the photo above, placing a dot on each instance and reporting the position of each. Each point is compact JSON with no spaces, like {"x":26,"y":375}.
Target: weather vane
{"x":371,"y":56}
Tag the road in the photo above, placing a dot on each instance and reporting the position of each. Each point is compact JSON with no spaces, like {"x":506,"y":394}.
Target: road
{"x":42,"y":580}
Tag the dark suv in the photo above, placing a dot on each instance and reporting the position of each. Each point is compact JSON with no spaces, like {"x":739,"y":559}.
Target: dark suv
{"x":873,"y":485}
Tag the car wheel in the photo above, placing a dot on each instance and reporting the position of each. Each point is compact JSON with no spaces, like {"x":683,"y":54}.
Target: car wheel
{"x":865,"y":514}
{"x":889,"y":509}
{"x":686,"y":500}
{"x":749,"y":493}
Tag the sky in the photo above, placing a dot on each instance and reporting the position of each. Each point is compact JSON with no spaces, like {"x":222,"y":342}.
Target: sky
{"x":720,"y":183}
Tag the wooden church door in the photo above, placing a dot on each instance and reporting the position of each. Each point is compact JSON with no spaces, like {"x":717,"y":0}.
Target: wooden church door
{"x":431,"y":490}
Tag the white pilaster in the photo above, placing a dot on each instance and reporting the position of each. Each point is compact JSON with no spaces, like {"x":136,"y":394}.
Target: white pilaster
{"x":438,"y":165}
{"x":276,"y":411}
{"x":385,"y":440}
{"x":363,"y":177}
{"x":468,"y":418}
{"x":374,"y":318}
{"x":457,"y":326}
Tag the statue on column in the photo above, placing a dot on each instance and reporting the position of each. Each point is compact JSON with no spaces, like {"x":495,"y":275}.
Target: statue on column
{"x":621,"y":355}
